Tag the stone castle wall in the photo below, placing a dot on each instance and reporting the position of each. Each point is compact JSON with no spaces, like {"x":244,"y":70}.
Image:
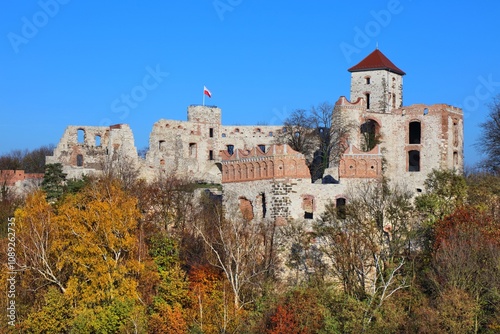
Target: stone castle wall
{"x":88,"y":149}
{"x":269,"y":181}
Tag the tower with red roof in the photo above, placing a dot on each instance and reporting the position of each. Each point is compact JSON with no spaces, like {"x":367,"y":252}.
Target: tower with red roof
{"x":378,"y":81}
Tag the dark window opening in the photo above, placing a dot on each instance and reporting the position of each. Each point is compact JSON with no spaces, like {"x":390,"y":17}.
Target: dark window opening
{"x":393,"y":100}
{"x":210,"y":155}
{"x":264,"y":209}
{"x":81,"y":136}
{"x":369,"y":132}
{"x":414,"y":161}
{"x":211,"y":132}
{"x":367,"y":95}
{"x":161,"y":145}
{"x":455,"y":158}
{"x":230,"y":149}
{"x":308,"y":215}
{"x":79,"y":160}
{"x":415,"y":133}
{"x":368,"y":80}
{"x":340,"y":206}
{"x":223,"y":135}
{"x":419,"y":190}
{"x":262,"y":148}
{"x":192,"y":150}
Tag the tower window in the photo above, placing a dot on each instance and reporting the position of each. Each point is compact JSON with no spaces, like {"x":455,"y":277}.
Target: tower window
{"x":415,"y":133}
{"x":211,"y":132}
{"x":97,"y":140}
{"x":340,"y":206}
{"x":367,"y":95}
{"x":367,"y":80}
{"x":79,"y":160}
{"x":81,"y":136}
{"x":210,"y":155}
{"x":230,"y":149}
{"x":414,"y":161}
{"x":262,"y":148}
{"x":192,"y":150}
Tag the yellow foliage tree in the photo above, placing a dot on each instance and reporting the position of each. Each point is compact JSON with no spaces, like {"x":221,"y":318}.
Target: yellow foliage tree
{"x":98,"y":243}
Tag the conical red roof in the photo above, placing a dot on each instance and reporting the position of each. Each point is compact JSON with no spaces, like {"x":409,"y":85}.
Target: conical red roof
{"x":376,"y":61}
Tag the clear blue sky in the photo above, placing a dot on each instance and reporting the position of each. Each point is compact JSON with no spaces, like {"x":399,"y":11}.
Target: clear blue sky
{"x":74,"y":62}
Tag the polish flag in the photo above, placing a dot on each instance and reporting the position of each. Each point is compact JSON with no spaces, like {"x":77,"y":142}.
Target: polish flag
{"x":206,"y":92}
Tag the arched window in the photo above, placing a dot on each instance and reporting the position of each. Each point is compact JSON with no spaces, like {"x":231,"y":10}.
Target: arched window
{"x":414,"y":133}
{"x":370,"y":134}
{"x":230,"y":149}
{"x":81,"y":136}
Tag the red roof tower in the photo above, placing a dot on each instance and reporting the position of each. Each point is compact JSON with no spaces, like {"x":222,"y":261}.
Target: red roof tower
{"x":376,"y":61}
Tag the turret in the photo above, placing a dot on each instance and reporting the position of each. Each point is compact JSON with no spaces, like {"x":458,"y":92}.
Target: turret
{"x":378,"y":81}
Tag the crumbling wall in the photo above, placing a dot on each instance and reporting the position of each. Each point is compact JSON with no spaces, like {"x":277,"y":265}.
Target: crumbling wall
{"x":90,"y":149}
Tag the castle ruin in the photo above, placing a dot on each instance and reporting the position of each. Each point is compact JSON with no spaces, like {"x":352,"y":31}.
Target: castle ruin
{"x":268,"y":180}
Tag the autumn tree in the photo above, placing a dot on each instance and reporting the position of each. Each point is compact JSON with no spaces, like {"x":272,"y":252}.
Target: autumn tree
{"x":237,"y":249}
{"x":369,"y":248}
{"x":209,"y":300}
{"x":171,"y":300}
{"x":85,"y":249}
{"x":445,"y":191}
{"x":466,"y":261}
{"x":167,"y":202}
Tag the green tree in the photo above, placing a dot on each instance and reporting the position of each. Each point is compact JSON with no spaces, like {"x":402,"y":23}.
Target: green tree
{"x":55,"y":316}
{"x":54,"y":181}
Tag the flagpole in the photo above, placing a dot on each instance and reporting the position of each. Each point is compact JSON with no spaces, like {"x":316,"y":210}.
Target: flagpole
{"x":203,"y":96}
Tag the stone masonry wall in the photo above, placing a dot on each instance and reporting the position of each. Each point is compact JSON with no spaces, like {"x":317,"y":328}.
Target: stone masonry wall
{"x":90,"y":154}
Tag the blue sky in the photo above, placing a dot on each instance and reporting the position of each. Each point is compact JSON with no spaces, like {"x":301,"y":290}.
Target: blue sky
{"x":75,"y":62}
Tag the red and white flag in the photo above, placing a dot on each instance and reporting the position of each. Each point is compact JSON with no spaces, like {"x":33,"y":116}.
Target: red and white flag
{"x":206,"y":92}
